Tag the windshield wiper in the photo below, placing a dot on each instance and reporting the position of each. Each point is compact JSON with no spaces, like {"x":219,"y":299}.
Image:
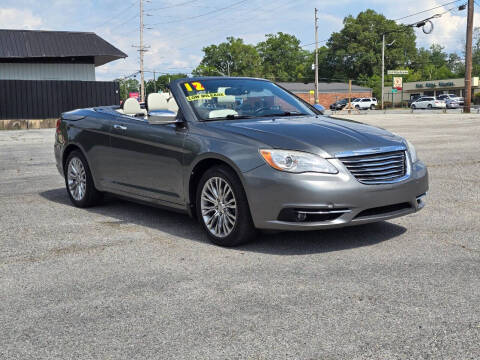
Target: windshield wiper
{"x":285,"y":113}
{"x":232,"y":117}
{"x":236,"y":117}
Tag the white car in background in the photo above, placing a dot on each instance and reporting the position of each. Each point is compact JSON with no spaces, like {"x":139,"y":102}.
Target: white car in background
{"x":428,"y":102}
{"x":452,"y":97}
{"x":365,"y":103}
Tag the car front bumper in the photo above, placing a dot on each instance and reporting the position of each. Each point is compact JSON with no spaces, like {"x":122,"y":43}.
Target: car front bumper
{"x":348,"y":201}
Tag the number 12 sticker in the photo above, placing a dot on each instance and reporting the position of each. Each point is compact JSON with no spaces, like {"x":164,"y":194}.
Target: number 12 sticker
{"x":197,"y":85}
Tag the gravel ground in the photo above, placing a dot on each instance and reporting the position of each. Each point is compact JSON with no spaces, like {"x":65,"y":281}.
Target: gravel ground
{"x":126,"y":281}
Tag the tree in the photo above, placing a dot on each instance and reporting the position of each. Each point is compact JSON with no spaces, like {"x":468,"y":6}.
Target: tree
{"x":162,"y":82}
{"x":127,"y":86}
{"x":323,"y":70}
{"x":357,"y":48}
{"x":282,"y":57}
{"x":434,"y":63}
{"x":232,"y":57}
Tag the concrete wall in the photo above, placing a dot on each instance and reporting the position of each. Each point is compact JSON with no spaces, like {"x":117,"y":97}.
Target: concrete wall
{"x":326,"y":99}
{"x":32,"y":71}
{"x":18,"y":124}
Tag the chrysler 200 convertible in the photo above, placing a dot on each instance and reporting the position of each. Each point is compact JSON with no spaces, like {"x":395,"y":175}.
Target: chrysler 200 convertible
{"x":239,"y":154}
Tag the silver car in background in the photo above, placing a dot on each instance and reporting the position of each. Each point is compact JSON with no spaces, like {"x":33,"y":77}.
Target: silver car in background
{"x":428,"y":102}
{"x":240,"y":155}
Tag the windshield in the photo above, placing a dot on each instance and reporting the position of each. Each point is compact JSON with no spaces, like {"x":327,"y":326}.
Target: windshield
{"x":229,"y":99}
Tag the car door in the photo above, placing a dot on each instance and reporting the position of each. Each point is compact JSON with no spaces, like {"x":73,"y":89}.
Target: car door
{"x":420,"y":103}
{"x":147,"y":159}
{"x":365,"y":103}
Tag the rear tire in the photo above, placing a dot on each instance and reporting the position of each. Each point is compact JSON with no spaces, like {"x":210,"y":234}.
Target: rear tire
{"x":79,"y":181}
{"x":414,"y":107}
{"x":372,"y":107}
{"x":429,"y":106}
{"x":222,"y":208}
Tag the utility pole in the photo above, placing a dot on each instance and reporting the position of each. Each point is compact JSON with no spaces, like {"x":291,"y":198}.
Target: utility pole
{"x":349,"y":96}
{"x":468,"y":59}
{"x":141,"y":50}
{"x":383,"y":65}
{"x":316,"y":56}
{"x":154,"y":82}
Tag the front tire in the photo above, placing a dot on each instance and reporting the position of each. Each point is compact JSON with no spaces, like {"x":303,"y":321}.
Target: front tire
{"x":372,"y":107}
{"x":79,"y":181}
{"x":429,"y":106}
{"x":222,"y":208}
{"x":414,"y":107}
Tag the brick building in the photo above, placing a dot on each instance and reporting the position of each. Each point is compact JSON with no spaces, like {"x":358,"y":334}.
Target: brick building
{"x":328,"y":93}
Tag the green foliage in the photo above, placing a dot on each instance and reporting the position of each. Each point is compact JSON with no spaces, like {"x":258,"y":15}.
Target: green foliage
{"x":355,"y":52}
{"x":323,"y":69}
{"x":282,"y":57}
{"x":127,"y":86}
{"x":232,"y":57}
{"x":357,"y":48}
{"x":162,"y":82}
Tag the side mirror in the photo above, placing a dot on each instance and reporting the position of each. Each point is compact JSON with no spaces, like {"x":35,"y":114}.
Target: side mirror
{"x":163,"y":118}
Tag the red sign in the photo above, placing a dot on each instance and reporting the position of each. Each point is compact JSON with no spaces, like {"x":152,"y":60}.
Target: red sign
{"x":134,"y":95}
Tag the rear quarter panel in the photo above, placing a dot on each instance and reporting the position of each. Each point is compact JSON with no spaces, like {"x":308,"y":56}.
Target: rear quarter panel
{"x":91,"y":134}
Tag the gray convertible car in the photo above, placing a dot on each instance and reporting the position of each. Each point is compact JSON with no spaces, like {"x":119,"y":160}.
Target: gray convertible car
{"x":239,"y":154}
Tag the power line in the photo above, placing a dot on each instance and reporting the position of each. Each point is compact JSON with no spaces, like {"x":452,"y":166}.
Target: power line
{"x":251,"y":13}
{"x":422,"y":23}
{"x":173,"y":6}
{"x":115,"y":17}
{"x":201,"y":15}
{"x":310,"y":44}
{"x":128,"y":20}
{"x":424,"y":11}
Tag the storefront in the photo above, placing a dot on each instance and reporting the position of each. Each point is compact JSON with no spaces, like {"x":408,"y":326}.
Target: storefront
{"x":429,"y":88}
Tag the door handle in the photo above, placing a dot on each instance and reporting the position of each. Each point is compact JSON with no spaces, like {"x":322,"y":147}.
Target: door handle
{"x":119,"y":127}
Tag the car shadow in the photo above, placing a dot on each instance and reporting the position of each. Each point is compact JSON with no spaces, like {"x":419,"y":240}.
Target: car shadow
{"x":280,"y":243}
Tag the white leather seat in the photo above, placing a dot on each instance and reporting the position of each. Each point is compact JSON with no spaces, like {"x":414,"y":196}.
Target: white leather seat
{"x":156,"y":102}
{"x":166,"y":95}
{"x":172,"y":105}
{"x":227,"y":99}
{"x":132,"y":107}
{"x":221,"y":113}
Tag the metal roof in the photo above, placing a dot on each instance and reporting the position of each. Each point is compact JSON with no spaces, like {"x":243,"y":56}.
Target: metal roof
{"x":16,"y":44}
{"x":322,"y":87}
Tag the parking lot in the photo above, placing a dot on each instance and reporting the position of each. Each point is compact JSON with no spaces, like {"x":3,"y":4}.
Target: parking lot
{"x":127,"y":281}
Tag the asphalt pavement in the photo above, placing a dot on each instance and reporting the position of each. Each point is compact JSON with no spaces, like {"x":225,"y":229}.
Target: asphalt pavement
{"x":127,"y":281}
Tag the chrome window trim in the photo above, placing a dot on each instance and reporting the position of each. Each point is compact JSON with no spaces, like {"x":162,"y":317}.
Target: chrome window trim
{"x":370,"y":151}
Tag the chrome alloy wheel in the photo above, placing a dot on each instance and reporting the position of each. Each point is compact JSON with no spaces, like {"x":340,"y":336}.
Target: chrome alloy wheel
{"x":218,"y":206}
{"x":76,"y":178}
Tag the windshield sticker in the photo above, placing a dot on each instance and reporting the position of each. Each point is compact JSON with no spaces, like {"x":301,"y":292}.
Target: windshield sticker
{"x":204,"y":96}
{"x":188,"y":87}
{"x":198,"y":86}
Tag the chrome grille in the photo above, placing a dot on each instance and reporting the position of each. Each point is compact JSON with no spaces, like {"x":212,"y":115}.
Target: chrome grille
{"x":378,"y":168}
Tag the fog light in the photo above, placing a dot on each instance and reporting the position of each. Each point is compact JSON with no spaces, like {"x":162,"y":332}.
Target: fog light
{"x":421,"y":201}
{"x":301,"y":216}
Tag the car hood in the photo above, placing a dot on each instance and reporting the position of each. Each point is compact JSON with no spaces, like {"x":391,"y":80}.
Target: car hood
{"x":321,"y":135}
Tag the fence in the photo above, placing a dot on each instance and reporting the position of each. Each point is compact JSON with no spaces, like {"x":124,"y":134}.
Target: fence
{"x":43,"y":99}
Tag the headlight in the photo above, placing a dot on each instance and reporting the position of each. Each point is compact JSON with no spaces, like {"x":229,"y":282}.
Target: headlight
{"x":412,"y":152}
{"x":296,"y":161}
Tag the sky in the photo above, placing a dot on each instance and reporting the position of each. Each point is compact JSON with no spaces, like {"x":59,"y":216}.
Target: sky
{"x":177,"y":30}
